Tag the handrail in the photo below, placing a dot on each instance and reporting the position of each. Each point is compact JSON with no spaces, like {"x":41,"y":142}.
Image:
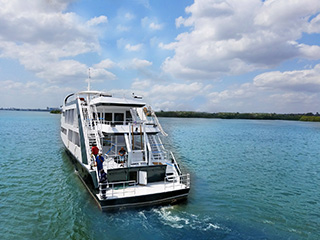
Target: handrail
{"x":157,"y":122}
{"x":123,"y":183}
{"x":107,"y":189}
{"x":85,"y":132}
{"x":181,"y":179}
{"x":175,"y":163}
{"x":96,"y":130}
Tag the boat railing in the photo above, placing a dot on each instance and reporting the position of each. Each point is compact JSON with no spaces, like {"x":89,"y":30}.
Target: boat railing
{"x":175,"y":163}
{"x":156,"y":120}
{"x":108,"y":189}
{"x":85,"y":132}
{"x":112,"y":189}
{"x":173,"y":182}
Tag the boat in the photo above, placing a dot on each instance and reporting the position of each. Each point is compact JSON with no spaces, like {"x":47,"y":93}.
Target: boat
{"x":147,"y":174}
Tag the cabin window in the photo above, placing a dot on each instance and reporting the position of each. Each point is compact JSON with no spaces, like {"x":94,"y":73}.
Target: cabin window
{"x":70,"y":116}
{"x":108,"y":117}
{"x":118,"y":117}
{"x":76,"y":139}
{"x":70,"y":135}
{"x":64,"y":130}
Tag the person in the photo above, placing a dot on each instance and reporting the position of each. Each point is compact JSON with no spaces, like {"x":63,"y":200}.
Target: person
{"x":95,"y":150}
{"x":103,"y":176}
{"x":100,"y":160}
{"x":104,"y":182}
{"x":122,"y":153}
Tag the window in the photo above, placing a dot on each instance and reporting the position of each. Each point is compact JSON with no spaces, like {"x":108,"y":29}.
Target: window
{"x":64,"y":130}
{"x":118,"y":117}
{"x":108,"y":117}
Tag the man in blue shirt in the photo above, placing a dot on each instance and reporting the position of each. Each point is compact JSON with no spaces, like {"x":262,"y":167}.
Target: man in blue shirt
{"x":100,"y":161}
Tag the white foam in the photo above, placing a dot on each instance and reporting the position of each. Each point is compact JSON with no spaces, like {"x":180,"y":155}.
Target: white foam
{"x":183,"y":219}
{"x":142,"y":215}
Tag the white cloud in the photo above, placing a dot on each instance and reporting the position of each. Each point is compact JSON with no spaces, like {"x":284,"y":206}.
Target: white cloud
{"x":41,"y":33}
{"x":155,"y":26}
{"x":133,"y":48}
{"x":97,"y":20}
{"x":299,"y":80}
{"x":176,"y":96}
{"x":151,"y":24}
{"x":105,"y":64}
{"x":33,"y":93}
{"x":141,"y":84}
{"x":276,"y":91}
{"x":63,"y":71}
{"x":140,"y":63}
{"x":175,"y":91}
{"x":100,"y":74}
{"x":233,"y":37}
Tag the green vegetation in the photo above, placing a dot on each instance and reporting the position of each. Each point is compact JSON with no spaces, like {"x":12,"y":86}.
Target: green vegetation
{"x":310,"y":118}
{"x":228,"y":115}
{"x":55,"y":111}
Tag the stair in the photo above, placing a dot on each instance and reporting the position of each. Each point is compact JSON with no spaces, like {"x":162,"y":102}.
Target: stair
{"x":157,"y":153}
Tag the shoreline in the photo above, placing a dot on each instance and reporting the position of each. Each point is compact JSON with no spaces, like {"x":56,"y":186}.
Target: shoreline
{"x":254,"y":116}
{"x":305,"y":117}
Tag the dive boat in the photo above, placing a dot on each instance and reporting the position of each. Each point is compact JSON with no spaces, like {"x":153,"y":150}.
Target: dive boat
{"x":146,"y":174}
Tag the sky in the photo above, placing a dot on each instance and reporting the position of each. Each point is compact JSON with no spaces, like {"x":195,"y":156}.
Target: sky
{"x":188,"y":55}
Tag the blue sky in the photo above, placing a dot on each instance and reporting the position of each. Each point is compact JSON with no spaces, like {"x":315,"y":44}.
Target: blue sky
{"x":208,"y":55}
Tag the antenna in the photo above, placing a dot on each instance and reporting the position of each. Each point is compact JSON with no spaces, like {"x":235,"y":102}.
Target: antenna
{"x":89,"y":79}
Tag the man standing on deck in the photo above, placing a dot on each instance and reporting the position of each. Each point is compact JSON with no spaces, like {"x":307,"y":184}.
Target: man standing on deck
{"x":99,"y":160}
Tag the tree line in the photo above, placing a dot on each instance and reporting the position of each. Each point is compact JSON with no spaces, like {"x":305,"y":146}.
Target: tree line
{"x":237,"y":115}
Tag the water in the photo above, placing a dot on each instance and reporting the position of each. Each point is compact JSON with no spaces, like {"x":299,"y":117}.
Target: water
{"x":250,"y":180}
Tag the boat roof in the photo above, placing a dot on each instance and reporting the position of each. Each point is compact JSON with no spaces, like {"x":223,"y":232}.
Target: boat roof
{"x":99,"y":98}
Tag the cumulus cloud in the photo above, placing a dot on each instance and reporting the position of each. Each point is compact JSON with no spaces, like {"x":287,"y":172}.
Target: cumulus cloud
{"x":299,"y":80}
{"x":140,"y":63}
{"x":168,"y":96}
{"x":151,"y":24}
{"x":39,"y":34}
{"x":97,"y":20}
{"x":233,"y":37}
{"x":105,"y":64}
{"x":141,"y":84}
{"x":175,"y":91}
{"x":133,"y":48}
{"x":155,"y":26}
{"x":33,"y":93}
{"x":275,"y":91}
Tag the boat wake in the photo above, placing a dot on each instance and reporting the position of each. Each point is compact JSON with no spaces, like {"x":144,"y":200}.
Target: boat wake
{"x":171,"y":216}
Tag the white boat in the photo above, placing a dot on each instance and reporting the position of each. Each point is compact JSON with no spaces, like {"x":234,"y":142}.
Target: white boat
{"x":148,"y":174}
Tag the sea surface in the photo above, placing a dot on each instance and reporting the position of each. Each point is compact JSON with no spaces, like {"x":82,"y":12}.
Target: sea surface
{"x":251,"y":179}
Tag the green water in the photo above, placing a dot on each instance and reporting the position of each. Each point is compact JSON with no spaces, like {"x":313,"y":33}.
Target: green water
{"x":250,"y":180}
